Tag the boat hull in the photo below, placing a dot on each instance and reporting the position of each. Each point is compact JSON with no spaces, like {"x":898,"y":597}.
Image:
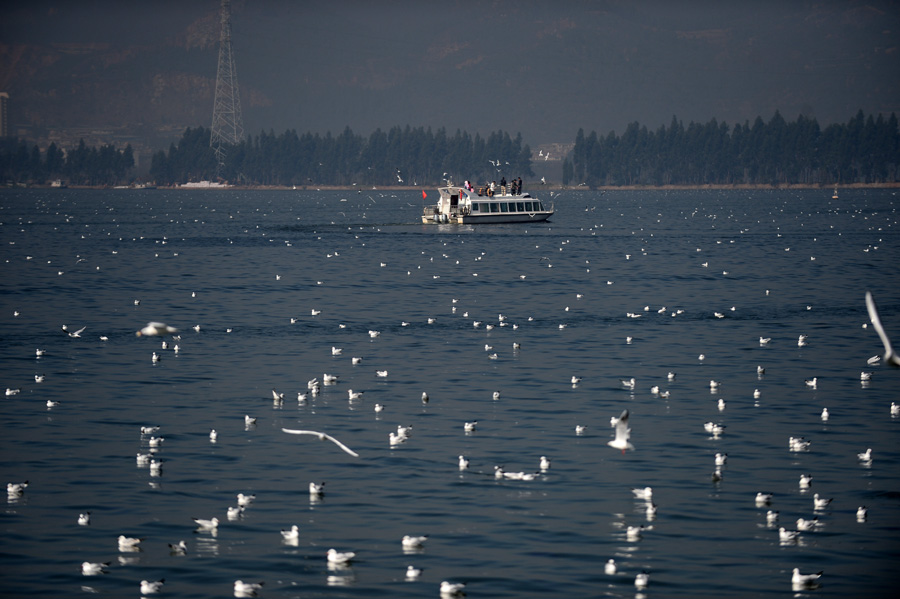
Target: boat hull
{"x":486,"y":219}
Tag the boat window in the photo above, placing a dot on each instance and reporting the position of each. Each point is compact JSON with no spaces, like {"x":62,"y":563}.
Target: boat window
{"x":503,"y":207}
{"x":520,"y":206}
{"x":495,"y":207}
{"x":528,"y":207}
{"x":539,"y":206}
{"x":475,"y":206}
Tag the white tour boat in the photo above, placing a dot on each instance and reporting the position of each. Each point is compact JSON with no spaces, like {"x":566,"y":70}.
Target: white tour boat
{"x":458,"y":205}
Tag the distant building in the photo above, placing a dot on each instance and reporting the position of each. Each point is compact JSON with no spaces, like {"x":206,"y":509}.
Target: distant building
{"x":4,"y":114}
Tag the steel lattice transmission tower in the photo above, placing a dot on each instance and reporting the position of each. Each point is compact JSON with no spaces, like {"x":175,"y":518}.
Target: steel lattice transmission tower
{"x":227,"y":123}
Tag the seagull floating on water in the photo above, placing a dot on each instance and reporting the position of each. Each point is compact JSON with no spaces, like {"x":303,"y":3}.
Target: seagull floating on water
{"x":94,"y":568}
{"x":800,"y":581}
{"x":246,"y":589}
{"x":610,"y":567}
{"x":291,"y":534}
{"x":149,"y":588}
{"x":452,"y":589}
{"x":340,"y":557}
{"x":202,"y":524}
{"x":820,"y":503}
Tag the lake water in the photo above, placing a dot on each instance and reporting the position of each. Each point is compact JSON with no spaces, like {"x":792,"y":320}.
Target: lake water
{"x":242,"y":264}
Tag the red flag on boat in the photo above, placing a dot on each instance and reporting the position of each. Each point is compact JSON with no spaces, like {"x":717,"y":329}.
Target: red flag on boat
{"x":424,"y":195}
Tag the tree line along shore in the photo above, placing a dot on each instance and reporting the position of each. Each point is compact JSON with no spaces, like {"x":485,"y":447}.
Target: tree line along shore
{"x":766,"y":154}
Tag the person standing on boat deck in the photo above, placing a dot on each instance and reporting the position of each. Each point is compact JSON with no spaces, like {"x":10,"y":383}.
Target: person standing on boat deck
{"x":503,"y":185}
{"x":512,"y":186}
{"x":520,"y":185}
{"x":492,"y":189}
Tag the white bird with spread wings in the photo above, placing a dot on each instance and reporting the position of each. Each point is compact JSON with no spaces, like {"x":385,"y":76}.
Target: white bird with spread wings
{"x":322,"y":437}
{"x":622,"y":433}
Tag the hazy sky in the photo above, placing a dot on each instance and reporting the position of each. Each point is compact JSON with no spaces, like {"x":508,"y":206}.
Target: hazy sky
{"x":542,"y":68}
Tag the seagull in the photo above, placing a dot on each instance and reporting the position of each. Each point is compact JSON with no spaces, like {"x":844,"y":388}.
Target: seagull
{"x":787,"y":536}
{"x":84,"y":519}
{"x":129,"y":543}
{"x":470,"y":426}
{"x":763,"y":498}
{"x":799,"y":580}
{"x":771,"y":517}
{"x":16,"y":489}
{"x":721,"y":458}
{"x":463,"y":463}
{"x":452,"y":589}
{"x":545,"y":463}
{"x":73,"y":334}
{"x":351,"y":394}
{"x":622,"y":434}
{"x":865,"y":456}
{"x":322,"y":437}
{"x":202,"y":524}
{"x":340,"y":557}
{"x":381,"y":373}
{"x":628,"y":383}
{"x":861,"y":513}
{"x":248,"y":420}
{"x":246,"y":589}
{"x":245,"y":500}
{"x":213,"y":435}
{"x":646,"y":493}
{"x":235,"y":513}
{"x":316,"y":489}
{"x":413,"y":573}
{"x":633,"y":533}
{"x":410,"y":542}
{"x":825,"y":414}
{"x":820,"y":503}
{"x":93,"y":568}
{"x":277,"y":397}
{"x":156,"y":329}
{"x":812,"y":382}
{"x":889,"y":356}
{"x":149,"y":588}
{"x":642,"y":580}
{"x":805,"y":525}
{"x":336,"y":351}
{"x":610,"y":567}
{"x":179,"y":548}
{"x":805,"y":481}
{"x":292,"y":534}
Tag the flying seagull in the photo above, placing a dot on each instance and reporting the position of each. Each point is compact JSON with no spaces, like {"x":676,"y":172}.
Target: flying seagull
{"x":322,"y":437}
{"x":889,"y":356}
{"x":622,"y":434}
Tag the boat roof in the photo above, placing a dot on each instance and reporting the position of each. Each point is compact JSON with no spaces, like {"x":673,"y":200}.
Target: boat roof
{"x":450,"y":190}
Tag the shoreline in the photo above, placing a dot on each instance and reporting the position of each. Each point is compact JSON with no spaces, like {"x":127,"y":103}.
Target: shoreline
{"x":552,"y":187}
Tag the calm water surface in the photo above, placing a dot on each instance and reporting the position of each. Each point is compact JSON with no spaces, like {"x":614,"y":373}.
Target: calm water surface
{"x":242,"y":264}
